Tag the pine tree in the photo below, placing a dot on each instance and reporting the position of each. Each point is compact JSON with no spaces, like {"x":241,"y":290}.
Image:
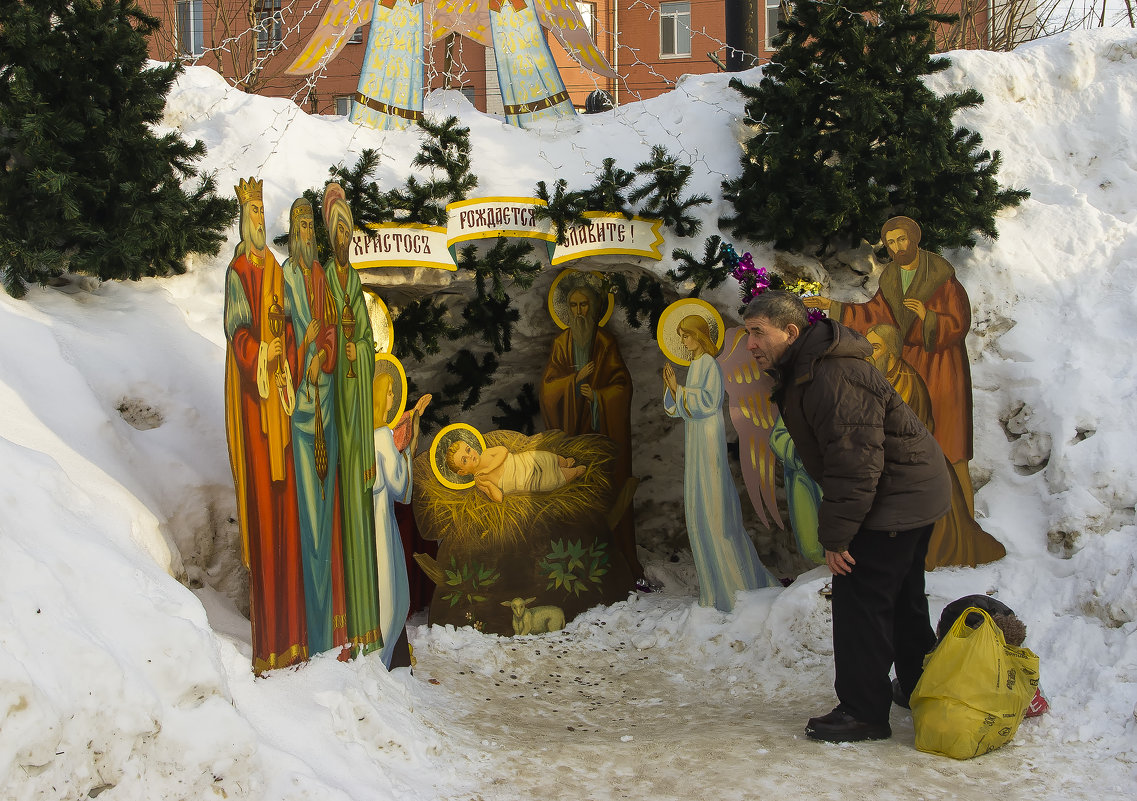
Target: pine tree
{"x":846,"y":135}
{"x":86,"y":184}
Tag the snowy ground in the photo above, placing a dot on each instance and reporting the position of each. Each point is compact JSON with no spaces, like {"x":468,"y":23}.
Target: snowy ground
{"x":124,"y":657}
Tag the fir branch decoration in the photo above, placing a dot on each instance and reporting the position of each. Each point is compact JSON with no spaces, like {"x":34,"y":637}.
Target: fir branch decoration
{"x":505,"y":263}
{"x":563,"y":208}
{"x":667,"y":180}
{"x":417,"y":328}
{"x":705,"y":274}
{"x":519,"y":418}
{"x":645,"y":300}
{"x":472,"y":377}
{"x":448,"y":150}
{"x":492,"y":319}
{"x":607,"y":194}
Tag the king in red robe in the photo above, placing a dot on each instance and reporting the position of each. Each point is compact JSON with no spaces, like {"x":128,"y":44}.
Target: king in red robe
{"x":259,"y":400}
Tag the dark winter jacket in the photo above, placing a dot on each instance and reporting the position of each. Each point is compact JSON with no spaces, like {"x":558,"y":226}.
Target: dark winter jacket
{"x":876,"y":463}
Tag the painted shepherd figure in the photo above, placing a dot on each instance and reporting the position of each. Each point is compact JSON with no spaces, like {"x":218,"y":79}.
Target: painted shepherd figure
{"x":587,"y":389}
{"x":354,"y":366}
{"x":725,"y":557}
{"x":920,"y":295}
{"x":259,"y":399}
{"x":315,"y":444}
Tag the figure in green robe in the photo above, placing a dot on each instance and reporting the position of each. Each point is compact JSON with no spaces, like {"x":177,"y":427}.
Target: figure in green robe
{"x":354,"y":368}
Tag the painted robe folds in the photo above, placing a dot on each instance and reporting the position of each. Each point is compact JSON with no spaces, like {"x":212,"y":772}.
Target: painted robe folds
{"x":608,"y":413}
{"x":935,"y":347}
{"x":393,"y":483}
{"x":315,"y":449}
{"x":390,"y":84}
{"x":258,"y":398}
{"x":357,"y":460}
{"x":725,"y":557}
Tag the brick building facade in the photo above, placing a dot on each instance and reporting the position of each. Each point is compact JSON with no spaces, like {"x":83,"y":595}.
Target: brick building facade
{"x":649,"y":43}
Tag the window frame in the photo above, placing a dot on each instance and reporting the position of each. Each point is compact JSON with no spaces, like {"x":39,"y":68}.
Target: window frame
{"x":678,"y":14}
{"x":186,"y":14}
{"x":269,"y":38}
{"x":589,"y":18}
{"x":778,"y":7}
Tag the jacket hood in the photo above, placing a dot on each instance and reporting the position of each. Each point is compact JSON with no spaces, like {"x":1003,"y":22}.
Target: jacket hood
{"x":824,"y":339}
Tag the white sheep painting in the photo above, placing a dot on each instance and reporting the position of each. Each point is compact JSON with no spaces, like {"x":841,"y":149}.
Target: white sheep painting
{"x":537,"y":620}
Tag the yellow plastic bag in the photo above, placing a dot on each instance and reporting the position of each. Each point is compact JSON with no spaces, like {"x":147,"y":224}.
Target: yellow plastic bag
{"x":974,"y":690}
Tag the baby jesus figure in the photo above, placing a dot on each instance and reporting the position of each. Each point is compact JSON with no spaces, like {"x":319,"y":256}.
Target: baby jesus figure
{"x":497,"y":472}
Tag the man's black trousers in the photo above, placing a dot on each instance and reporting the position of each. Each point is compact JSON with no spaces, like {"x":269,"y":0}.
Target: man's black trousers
{"x":880,"y":616}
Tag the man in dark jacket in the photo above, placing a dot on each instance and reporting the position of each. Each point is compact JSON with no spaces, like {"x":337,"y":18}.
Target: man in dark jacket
{"x":885,"y":484}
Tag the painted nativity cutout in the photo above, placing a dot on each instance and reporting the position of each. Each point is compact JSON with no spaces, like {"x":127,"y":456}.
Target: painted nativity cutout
{"x":690,"y":334}
{"x":917,"y":322}
{"x":523,"y":525}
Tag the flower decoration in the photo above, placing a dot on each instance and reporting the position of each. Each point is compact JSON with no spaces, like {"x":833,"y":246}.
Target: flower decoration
{"x":753,"y":281}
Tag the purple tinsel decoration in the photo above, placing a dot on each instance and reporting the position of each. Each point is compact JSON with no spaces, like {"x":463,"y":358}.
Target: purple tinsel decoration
{"x":815,"y":315}
{"x":753,"y":281}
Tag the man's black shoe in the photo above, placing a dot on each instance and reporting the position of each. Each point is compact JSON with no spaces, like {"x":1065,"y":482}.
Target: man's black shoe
{"x":840,"y":727}
{"x":898,"y":696}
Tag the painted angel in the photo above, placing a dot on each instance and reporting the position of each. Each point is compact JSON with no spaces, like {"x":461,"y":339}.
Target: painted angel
{"x":753,"y":416}
{"x":390,"y":91}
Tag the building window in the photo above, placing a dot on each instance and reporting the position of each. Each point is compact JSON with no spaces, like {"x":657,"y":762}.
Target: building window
{"x":675,"y":29}
{"x":343,"y":106}
{"x":357,"y":37}
{"x":191,"y":36}
{"x":588,"y":14}
{"x":775,"y":13}
{"x":270,"y":24}
{"x":470,"y":93}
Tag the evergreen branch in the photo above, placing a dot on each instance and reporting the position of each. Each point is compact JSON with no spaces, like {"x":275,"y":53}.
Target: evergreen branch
{"x":563,"y":208}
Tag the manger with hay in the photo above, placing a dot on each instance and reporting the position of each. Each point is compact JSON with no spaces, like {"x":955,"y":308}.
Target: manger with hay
{"x":552,"y":548}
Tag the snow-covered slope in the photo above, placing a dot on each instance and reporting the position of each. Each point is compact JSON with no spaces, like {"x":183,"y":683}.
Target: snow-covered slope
{"x":124,"y":659}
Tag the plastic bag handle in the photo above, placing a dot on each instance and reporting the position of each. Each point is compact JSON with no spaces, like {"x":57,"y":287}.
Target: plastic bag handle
{"x":961,"y":623}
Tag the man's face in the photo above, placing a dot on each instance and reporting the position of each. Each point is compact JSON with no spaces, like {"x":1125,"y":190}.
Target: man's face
{"x":766,"y":342}
{"x":341,"y":242}
{"x":900,"y":247}
{"x":305,"y":236}
{"x":578,"y":304}
{"x":881,"y":357}
{"x":256,"y":224}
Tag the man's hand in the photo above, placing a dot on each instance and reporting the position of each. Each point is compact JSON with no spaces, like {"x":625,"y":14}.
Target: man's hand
{"x":275,"y":349}
{"x":349,"y":348}
{"x":314,"y":368}
{"x":585,"y":372}
{"x":817,"y":302}
{"x":586,"y":391}
{"x":840,"y":563}
{"x":917,"y":306}
{"x":310,"y":334}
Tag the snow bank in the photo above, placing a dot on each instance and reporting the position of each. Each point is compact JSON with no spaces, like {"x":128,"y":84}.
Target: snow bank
{"x":118,"y":679}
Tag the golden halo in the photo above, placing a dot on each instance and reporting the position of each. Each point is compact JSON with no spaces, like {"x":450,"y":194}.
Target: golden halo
{"x":442,"y":440}
{"x":558,"y":301}
{"x":386,"y":364}
{"x":382,"y":326}
{"x":668,"y":337}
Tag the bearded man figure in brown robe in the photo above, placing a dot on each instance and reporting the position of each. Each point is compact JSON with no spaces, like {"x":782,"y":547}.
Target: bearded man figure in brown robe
{"x":956,"y":539}
{"x":920,"y":296}
{"x":587,"y":389}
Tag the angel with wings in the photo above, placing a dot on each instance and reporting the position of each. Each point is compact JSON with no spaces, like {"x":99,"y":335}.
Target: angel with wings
{"x":390,"y":91}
